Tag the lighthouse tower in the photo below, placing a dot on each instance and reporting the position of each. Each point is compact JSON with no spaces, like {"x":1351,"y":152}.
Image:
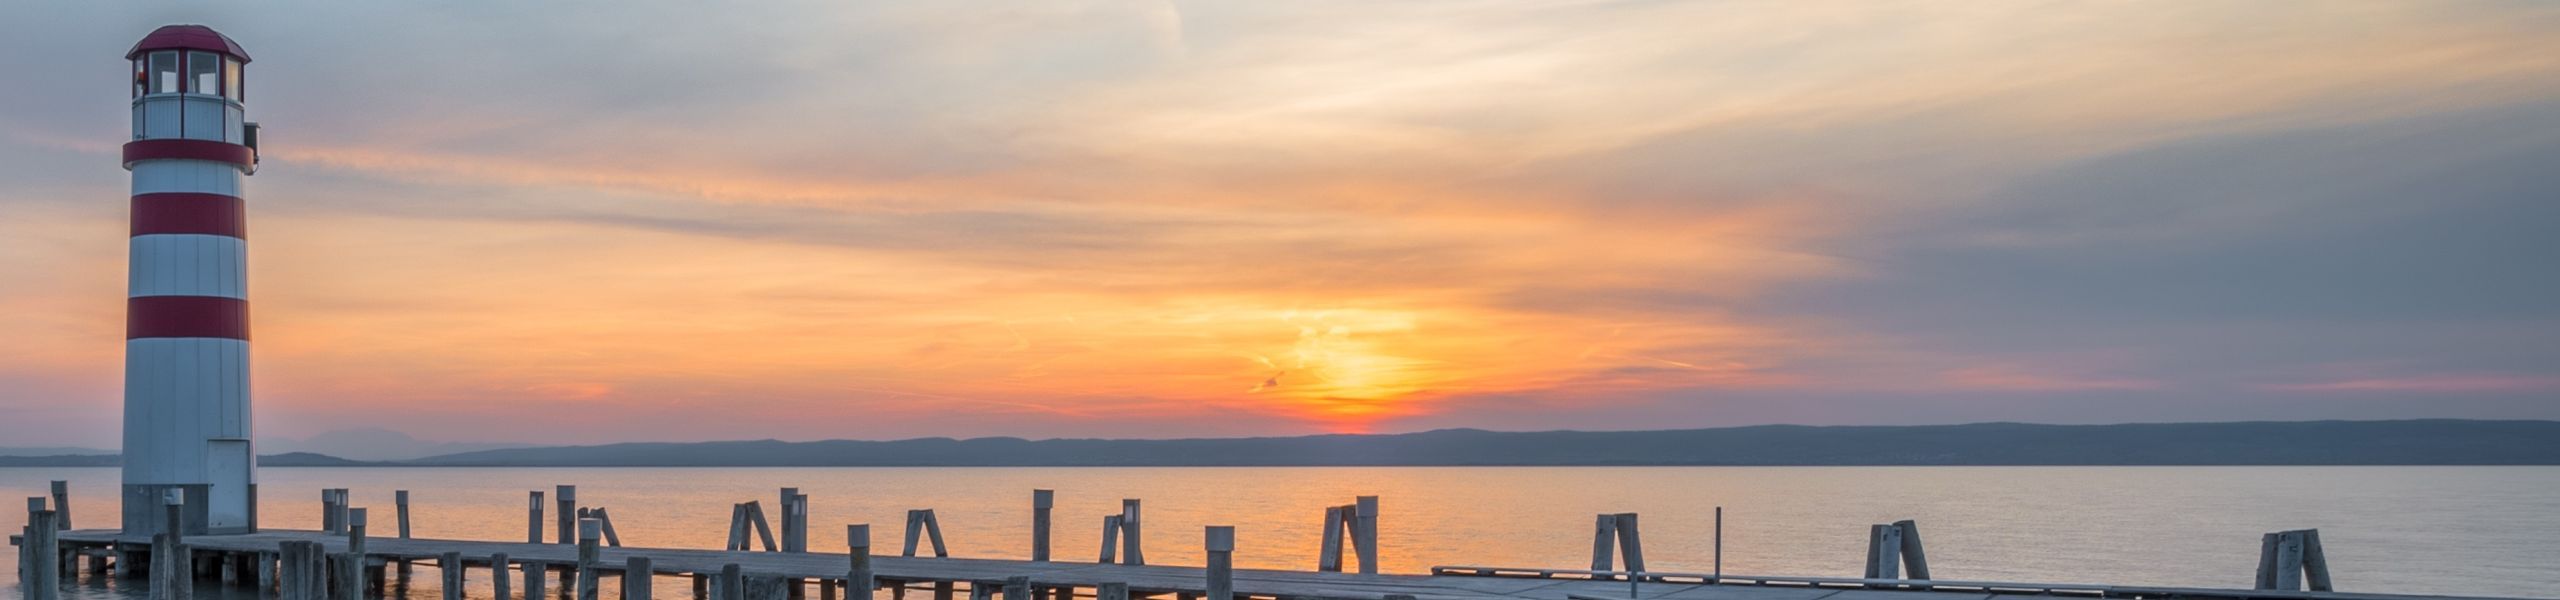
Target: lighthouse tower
{"x":186,"y":366}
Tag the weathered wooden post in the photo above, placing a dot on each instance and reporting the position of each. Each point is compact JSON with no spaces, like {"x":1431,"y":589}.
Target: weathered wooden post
{"x":1719,"y":544}
{"x":1915,"y":560}
{"x":351,"y":576}
{"x":1041,"y":502}
{"x":400,"y":502}
{"x":590,"y":533}
{"x":732,"y":583}
{"x":537,"y":580}
{"x":62,"y":505}
{"x":765,"y":587}
{"x":2285,"y":557}
{"x":329,"y":510}
{"x":1604,"y":538}
{"x":637,"y":575}
{"x":533,"y":518}
{"x":1329,"y":554}
{"x":293,"y":570}
{"x":1220,"y":543}
{"x":1131,"y":551}
{"x":567,"y":496}
{"x":1110,"y":539}
{"x":42,"y":545}
{"x":1884,"y":553}
{"x":355,"y":532}
{"x":795,"y":521}
{"x":499,"y":579}
{"x":611,"y":539}
{"x":1630,"y":544}
{"x":266,"y":568}
{"x":1111,"y":590}
{"x":1017,"y":587}
{"x":173,"y":519}
{"x":858,"y":580}
{"x":1367,"y":533}
{"x":764,"y":528}
{"x":450,"y":567}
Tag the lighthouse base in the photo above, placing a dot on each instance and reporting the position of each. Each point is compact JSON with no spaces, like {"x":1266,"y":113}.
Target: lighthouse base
{"x":146,"y":511}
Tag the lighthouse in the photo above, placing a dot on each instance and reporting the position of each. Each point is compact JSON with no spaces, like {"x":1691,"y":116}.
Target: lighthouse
{"x":186,"y":366}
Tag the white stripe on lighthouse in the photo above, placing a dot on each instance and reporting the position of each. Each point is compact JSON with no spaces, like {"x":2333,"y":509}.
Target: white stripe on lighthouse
{"x":189,"y":265}
{"x":186,"y":390}
{"x":200,"y":176}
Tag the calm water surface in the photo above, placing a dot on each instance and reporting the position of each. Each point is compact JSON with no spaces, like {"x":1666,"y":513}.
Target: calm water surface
{"x":2435,"y":530}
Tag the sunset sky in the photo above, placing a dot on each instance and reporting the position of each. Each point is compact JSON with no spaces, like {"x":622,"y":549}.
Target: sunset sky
{"x":571,"y":222}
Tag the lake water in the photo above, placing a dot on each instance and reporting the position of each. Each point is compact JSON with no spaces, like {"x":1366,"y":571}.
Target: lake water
{"x":2419,"y":530}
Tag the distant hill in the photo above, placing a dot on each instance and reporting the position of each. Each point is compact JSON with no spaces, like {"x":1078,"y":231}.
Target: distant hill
{"x":2416,"y":442}
{"x":289,"y":459}
{"x":372,"y":443}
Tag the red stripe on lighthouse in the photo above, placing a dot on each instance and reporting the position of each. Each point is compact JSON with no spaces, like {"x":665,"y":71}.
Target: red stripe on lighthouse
{"x":186,"y":317}
{"x":182,"y":212}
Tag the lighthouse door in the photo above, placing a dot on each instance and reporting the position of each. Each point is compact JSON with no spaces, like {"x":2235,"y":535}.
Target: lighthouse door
{"x":227,"y":464}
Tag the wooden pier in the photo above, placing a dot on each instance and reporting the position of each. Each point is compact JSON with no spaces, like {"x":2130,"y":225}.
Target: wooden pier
{"x":343,"y":564}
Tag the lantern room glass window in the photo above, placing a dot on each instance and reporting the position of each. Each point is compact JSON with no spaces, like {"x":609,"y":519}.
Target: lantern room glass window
{"x":231,"y":78}
{"x":204,"y":73}
{"x":164,"y":73}
{"x":141,"y":78}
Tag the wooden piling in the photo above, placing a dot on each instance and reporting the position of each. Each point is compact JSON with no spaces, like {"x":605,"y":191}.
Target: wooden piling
{"x":590,"y":535}
{"x":611,"y":539}
{"x":1132,"y":552}
{"x":2266,"y":579}
{"x":450,"y":567}
{"x":1604,"y":537}
{"x":1884,"y":552}
{"x":732,"y":584}
{"x":637,"y":575}
{"x":1915,"y":560}
{"x":42,"y":546}
{"x":62,"y":505}
{"x":1630,"y":543}
{"x":351,"y":576}
{"x":859,"y":582}
{"x":764,"y":529}
{"x":737,"y":527}
{"x":567,"y":497}
{"x":1110,"y":539}
{"x":765,"y":587}
{"x":1041,"y":502}
{"x":1220,"y":543}
{"x":400,"y":503}
{"x":1017,"y":588}
{"x":356,"y":532}
{"x":1111,"y":590}
{"x":299,"y":574}
{"x":1329,"y":553}
{"x":933,"y":531}
{"x":795,"y":521}
{"x":2289,"y":561}
{"x":499,"y":579}
{"x":533,"y":518}
{"x":1365,"y":532}
{"x":537,"y":580}
{"x":2315,"y":561}
{"x":265,"y":565}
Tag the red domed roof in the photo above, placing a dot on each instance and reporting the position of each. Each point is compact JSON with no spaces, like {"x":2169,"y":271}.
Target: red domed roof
{"x":188,"y":37}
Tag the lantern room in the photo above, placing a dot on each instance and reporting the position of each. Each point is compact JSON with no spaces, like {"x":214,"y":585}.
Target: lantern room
{"x":188,"y":83}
